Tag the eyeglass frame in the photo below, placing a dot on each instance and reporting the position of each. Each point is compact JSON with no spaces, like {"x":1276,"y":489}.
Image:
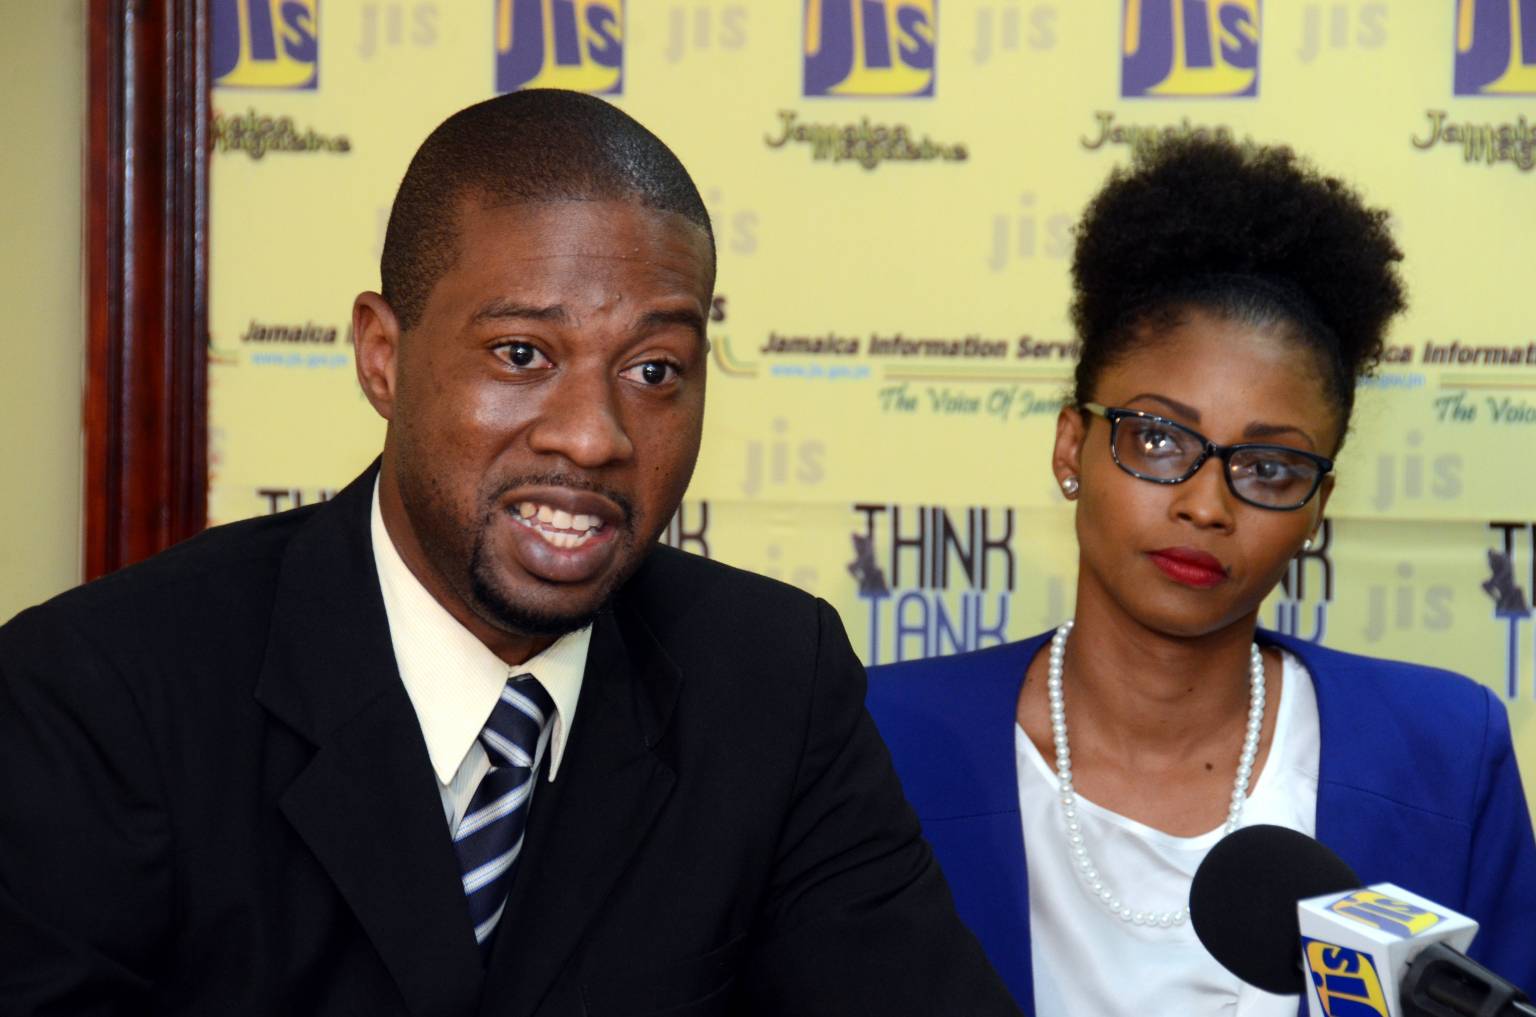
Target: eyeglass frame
{"x":1115,"y":414}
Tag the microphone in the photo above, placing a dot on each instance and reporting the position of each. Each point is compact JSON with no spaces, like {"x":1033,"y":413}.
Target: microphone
{"x":1242,"y":902}
{"x":1284,"y":913}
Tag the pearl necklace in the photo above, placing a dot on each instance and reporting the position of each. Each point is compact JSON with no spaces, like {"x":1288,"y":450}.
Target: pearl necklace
{"x":1078,"y":847}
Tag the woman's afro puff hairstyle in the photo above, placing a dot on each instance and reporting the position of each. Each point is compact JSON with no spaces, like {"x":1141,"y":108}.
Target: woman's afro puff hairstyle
{"x":1250,"y":233}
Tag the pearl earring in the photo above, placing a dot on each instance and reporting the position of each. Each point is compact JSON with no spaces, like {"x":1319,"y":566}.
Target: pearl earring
{"x":1069,"y":486}
{"x":1306,"y":545}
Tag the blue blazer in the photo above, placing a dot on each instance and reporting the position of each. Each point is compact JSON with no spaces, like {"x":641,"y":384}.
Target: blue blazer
{"x":1417,"y":786}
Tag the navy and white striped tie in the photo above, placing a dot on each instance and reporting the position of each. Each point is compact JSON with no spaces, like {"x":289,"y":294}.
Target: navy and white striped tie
{"x":490,"y":836}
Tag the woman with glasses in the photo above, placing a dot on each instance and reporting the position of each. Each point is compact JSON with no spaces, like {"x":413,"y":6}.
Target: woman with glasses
{"x":1227,"y":299}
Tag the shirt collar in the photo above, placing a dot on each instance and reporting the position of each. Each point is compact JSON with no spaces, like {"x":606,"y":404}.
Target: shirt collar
{"x":452,"y":678}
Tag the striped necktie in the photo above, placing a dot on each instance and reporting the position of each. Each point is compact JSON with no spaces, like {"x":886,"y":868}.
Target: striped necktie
{"x":490,"y":836}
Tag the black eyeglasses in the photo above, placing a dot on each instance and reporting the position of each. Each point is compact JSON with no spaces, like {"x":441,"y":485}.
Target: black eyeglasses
{"x":1154,"y":448}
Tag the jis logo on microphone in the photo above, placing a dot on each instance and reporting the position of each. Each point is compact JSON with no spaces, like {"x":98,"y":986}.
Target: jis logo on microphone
{"x":265,"y":44}
{"x":1345,"y":980}
{"x":870,"y":48}
{"x":1496,"y":47}
{"x":1395,"y":917}
{"x":1189,"y":49}
{"x":574,"y":44}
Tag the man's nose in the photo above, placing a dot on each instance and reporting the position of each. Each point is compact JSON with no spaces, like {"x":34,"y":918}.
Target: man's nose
{"x":580,"y":421}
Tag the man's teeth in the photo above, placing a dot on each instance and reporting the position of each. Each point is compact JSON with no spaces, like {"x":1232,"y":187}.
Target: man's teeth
{"x":557,"y":526}
{"x":565,"y":540}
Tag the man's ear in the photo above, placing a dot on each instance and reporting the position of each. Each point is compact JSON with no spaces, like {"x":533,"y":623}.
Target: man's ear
{"x":376,"y":350}
{"x":1067,"y":456}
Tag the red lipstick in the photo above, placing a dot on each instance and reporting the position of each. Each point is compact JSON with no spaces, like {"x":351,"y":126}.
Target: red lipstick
{"x":1190,"y":566}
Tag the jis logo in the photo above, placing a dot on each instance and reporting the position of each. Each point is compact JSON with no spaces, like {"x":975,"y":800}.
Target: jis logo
{"x":1190,"y":48}
{"x":1392,"y":916}
{"x":1345,"y":980}
{"x":574,"y":44}
{"x":265,"y":44}
{"x":1496,"y":47}
{"x":870,"y":48}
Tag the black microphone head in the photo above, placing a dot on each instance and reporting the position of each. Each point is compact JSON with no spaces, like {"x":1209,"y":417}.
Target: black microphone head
{"x":1243,"y":901}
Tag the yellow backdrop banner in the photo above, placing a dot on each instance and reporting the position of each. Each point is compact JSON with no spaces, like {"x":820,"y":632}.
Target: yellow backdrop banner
{"x":893,"y":185}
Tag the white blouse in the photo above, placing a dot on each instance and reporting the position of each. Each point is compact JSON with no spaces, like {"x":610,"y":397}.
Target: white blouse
{"x":1087,"y":961}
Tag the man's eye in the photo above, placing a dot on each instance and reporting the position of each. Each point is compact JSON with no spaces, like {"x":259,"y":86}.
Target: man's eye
{"x":652,"y":372}
{"x":521,"y":354}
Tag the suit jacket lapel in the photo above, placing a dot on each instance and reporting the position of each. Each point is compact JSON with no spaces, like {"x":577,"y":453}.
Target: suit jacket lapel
{"x":367,"y":805}
{"x":618,"y":770}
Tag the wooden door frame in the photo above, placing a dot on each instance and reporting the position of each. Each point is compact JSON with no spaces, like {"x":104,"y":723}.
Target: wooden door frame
{"x":146,"y":264}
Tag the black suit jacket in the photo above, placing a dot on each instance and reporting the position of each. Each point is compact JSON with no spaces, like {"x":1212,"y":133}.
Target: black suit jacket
{"x":215,"y":799}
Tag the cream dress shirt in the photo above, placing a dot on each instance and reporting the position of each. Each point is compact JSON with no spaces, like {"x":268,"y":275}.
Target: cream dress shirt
{"x":454,"y":681}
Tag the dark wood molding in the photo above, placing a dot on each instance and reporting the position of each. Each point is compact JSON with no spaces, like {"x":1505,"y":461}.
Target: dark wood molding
{"x":146,"y":444}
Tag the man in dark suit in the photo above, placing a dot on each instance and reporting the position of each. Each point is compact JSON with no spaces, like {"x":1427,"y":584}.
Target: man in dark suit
{"x":465,"y":740}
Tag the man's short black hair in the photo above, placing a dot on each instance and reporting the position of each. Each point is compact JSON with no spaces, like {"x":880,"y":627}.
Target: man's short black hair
{"x":530,"y":146}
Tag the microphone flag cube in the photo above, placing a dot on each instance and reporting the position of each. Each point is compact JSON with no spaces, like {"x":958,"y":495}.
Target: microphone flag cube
{"x":1356,"y":947}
